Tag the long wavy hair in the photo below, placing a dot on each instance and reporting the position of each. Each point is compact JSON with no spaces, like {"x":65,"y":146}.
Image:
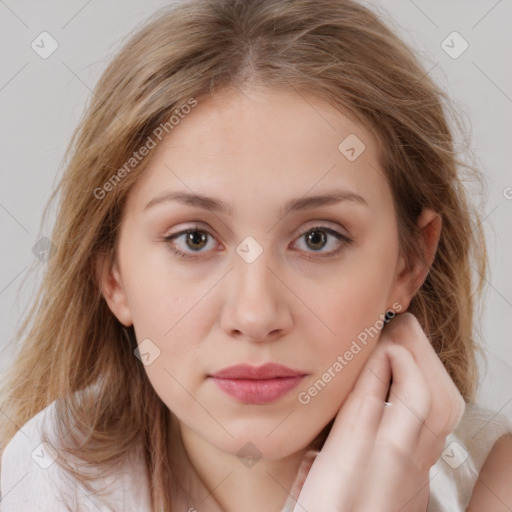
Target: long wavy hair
{"x":72,"y":348}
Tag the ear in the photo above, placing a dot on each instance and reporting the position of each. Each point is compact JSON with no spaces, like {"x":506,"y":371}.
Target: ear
{"x":413,"y":272}
{"x":109,"y":280}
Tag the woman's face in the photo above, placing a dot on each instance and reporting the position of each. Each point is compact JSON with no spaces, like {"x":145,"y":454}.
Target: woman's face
{"x":273,"y":271}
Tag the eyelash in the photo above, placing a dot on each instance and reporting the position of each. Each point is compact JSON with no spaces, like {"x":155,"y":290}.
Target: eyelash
{"x":343,"y":238}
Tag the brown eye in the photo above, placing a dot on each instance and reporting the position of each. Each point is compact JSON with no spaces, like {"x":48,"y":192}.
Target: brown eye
{"x":316,"y":239}
{"x":324,"y":241}
{"x":196,"y":240}
{"x":190,"y":242}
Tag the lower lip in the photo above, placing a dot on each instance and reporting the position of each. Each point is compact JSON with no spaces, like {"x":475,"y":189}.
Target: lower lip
{"x":258,"y":392}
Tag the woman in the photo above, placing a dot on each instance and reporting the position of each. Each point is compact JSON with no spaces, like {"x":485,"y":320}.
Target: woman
{"x":256,"y":191}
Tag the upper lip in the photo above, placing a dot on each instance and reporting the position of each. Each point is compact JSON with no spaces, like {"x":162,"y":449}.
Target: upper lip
{"x":266,"y":371}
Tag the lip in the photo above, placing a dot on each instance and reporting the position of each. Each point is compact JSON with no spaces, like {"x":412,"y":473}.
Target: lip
{"x":265,"y":371}
{"x":257,"y":384}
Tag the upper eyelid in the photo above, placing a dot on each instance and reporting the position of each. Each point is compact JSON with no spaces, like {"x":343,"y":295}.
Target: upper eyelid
{"x":318,"y":225}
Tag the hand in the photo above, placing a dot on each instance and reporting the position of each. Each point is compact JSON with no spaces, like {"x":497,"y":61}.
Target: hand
{"x":376,"y":457}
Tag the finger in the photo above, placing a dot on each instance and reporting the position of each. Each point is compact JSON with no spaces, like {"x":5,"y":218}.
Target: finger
{"x":367,"y":397}
{"x":448,"y":407}
{"x":411,"y":401}
{"x":396,"y":478}
{"x":332,"y":480}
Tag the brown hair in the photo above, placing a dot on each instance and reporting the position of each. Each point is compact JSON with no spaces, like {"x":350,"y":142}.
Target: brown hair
{"x":75,"y":351}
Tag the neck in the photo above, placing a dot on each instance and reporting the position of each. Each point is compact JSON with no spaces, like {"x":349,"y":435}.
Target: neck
{"x":211,"y":480}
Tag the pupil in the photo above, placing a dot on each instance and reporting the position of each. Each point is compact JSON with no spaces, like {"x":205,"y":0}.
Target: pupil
{"x":196,"y":238}
{"x":317,"y":237}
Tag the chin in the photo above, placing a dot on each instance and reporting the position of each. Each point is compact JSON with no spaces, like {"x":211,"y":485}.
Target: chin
{"x":260,"y":442}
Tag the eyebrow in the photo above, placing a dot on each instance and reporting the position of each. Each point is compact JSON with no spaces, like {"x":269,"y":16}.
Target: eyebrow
{"x":216,"y":205}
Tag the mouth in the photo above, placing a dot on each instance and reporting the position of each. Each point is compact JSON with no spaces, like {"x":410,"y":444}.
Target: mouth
{"x":257,"y":385}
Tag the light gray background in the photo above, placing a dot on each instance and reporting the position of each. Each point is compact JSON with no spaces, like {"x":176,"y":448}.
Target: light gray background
{"x":41,"y":101}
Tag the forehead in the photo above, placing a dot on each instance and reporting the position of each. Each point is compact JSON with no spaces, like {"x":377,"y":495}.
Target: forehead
{"x":267,"y":144}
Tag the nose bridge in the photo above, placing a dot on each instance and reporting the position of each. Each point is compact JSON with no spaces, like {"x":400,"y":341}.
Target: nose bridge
{"x":253,"y":279}
{"x":255,"y":305}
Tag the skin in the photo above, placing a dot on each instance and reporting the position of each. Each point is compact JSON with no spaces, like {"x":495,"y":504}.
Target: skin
{"x":256,"y":151}
{"x":387,"y":451}
{"x":492,"y":490}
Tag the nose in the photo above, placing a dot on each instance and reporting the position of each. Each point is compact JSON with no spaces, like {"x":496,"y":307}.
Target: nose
{"x":256,"y":306}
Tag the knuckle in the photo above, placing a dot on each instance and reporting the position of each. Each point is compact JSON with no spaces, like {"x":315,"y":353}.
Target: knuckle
{"x":406,"y":321}
{"x":399,"y":331}
{"x":398,"y":351}
{"x":420,"y":404}
{"x":452,"y":414}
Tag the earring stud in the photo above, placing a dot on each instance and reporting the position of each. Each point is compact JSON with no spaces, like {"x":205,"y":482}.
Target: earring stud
{"x":389,"y":315}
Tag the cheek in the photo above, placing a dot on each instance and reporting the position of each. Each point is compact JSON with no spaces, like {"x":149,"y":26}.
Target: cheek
{"x":174,"y":324}
{"x":352,"y":295}
{"x":349,"y":303}
{"x":167,"y":310}
{"x":351,"y":306}
{"x":356,"y":320}
{"x":161,"y":293}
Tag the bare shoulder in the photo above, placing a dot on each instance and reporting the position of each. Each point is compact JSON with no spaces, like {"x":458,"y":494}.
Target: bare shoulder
{"x":493,"y":489}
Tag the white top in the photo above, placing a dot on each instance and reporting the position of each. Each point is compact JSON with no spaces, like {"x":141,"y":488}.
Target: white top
{"x":32,"y":480}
